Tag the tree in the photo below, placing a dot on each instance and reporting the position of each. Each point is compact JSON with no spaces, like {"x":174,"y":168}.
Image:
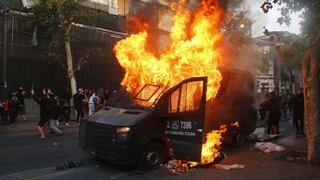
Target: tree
{"x":57,"y":16}
{"x":237,"y":29}
{"x":310,"y":65}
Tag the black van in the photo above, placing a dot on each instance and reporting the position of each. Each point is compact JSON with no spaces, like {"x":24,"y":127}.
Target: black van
{"x":126,"y":132}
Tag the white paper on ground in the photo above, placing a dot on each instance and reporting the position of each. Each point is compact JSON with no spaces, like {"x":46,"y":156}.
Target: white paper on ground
{"x":228,"y":167}
{"x":268,"y":147}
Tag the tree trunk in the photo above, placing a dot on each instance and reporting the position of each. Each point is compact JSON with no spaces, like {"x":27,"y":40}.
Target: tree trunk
{"x":70,"y":73}
{"x":312,"y":104}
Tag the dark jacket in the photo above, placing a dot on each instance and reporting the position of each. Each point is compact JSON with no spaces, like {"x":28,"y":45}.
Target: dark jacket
{"x":52,"y":109}
{"x":298,"y":104}
{"x":13,"y":107}
{"x":20,"y":101}
{"x":42,"y":101}
{"x":272,"y":105}
{"x":77,"y":100}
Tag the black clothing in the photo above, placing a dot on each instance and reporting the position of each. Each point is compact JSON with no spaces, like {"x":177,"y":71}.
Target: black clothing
{"x":298,"y":112}
{"x":12,"y":111}
{"x":52,"y":109}
{"x":77,"y":100}
{"x":2,"y":114}
{"x":78,"y":103}
{"x":20,"y":103}
{"x":64,"y":111}
{"x":42,"y":101}
{"x":272,"y":106}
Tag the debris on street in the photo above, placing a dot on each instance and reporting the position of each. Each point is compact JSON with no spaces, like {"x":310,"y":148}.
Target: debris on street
{"x":268,"y":147}
{"x":262,"y":137}
{"x":228,"y":167}
{"x":69,"y":164}
{"x":177,"y":167}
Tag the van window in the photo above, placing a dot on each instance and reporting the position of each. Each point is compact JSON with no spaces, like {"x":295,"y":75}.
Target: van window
{"x":174,"y":101}
{"x":186,"y":98}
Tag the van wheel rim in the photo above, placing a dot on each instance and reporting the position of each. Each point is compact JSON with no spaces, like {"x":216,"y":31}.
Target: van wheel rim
{"x":153,"y":157}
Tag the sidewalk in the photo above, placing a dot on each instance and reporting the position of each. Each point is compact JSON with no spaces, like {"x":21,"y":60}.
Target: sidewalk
{"x":293,"y":142}
{"x":21,"y":127}
{"x":287,"y":137}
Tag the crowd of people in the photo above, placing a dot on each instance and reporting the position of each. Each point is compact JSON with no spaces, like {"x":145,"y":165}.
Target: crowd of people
{"x":11,"y":108}
{"x":54,"y":108}
{"x":286,"y":106}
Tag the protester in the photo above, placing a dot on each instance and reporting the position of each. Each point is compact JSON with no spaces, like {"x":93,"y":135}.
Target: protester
{"x":13,"y":109}
{"x":272,"y":106}
{"x":78,"y":98}
{"x":4,"y":113}
{"x":93,"y":102}
{"x":52,"y":112}
{"x":284,"y":106}
{"x":298,"y":113}
{"x":21,"y":105}
{"x":85,"y":101}
{"x":64,"y":111}
{"x":42,"y":101}
{"x":262,"y":111}
{"x":3,"y":120}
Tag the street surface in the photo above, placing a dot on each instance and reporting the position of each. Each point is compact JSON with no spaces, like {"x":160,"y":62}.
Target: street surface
{"x":24,"y":156}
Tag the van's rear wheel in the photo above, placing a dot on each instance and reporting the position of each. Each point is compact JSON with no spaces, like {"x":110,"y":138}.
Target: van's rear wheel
{"x":152,"y":156}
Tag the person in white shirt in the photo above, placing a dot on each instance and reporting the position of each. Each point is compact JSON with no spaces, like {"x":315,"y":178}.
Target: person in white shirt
{"x":93,"y":101}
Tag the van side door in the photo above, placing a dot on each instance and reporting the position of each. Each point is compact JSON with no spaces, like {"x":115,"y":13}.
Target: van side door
{"x":183,"y":109}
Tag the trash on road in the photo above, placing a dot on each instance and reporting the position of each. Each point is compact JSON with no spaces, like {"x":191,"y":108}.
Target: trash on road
{"x":177,"y":167}
{"x":69,"y":164}
{"x":228,"y":167}
{"x":262,"y":137}
{"x":55,"y":144}
{"x":268,"y":147}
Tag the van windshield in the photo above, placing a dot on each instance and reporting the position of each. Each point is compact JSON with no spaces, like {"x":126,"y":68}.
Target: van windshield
{"x":146,"y":98}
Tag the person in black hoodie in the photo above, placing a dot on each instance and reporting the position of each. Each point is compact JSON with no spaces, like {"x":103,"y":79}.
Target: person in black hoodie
{"x":21,"y":105}
{"x":272,"y":106}
{"x":298,"y":113}
{"x":78,"y":98}
{"x":52,"y":110}
{"x":42,"y":101}
{"x":2,"y":113}
{"x":13,"y":109}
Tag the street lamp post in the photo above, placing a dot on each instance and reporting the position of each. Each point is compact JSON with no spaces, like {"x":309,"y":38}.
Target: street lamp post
{"x":4,"y":11}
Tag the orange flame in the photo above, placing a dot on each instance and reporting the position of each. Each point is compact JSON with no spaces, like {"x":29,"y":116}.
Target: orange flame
{"x":211,"y":148}
{"x":235,"y":124}
{"x":192,"y":52}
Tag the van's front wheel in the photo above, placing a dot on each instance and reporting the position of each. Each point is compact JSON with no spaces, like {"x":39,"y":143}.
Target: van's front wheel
{"x":152,"y":156}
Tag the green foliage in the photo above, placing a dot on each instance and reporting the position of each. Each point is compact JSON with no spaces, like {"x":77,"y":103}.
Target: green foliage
{"x":294,"y":49}
{"x":237,"y":29}
{"x":311,"y":15}
{"x":57,"y":16}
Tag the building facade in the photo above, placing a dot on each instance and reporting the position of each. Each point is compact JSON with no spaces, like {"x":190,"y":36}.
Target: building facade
{"x":28,"y":64}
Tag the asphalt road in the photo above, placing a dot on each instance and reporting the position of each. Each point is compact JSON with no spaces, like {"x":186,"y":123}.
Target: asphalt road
{"x":27,"y":157}
{"x":25,"y":151}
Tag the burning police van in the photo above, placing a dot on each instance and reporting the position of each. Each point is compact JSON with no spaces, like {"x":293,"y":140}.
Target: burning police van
{"x":159,"y":123}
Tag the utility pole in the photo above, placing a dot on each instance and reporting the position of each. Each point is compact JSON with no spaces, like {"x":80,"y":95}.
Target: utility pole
{"x":4,"y":11}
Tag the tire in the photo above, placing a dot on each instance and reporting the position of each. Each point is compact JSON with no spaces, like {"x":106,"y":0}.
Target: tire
{"x":239,"y":140}
{"x":152,"y":156}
